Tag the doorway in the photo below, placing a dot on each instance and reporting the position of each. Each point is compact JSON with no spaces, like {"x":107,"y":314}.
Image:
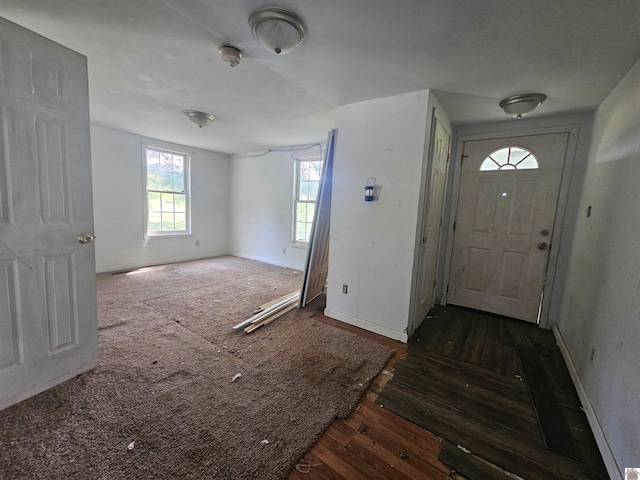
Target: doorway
{"x":504,"y":225}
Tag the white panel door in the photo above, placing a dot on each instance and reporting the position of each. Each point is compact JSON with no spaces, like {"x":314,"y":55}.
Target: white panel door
{"x":48,"y":325}
{"x":504,"y":223}
{"x":432,"y":223}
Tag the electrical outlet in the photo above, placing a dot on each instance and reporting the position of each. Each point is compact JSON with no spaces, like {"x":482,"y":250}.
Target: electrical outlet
{"x":588,"y":211}
{"x":284,"y":251}
{"x":197,"y":243}
{"x":345,"y":288}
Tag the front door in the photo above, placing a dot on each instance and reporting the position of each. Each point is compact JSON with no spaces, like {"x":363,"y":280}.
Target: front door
{"x":504,"y":223}
{"x":48,"y":327}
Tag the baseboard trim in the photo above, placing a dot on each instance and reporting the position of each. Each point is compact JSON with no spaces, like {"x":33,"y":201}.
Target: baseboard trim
{"x":155,"y":263}
{"x":370,"y":326}
{"x":269,"y":261}
{"x":601,"y":439}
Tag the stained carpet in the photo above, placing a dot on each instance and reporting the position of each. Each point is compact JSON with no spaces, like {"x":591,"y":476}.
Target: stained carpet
{"x":167,"y":357}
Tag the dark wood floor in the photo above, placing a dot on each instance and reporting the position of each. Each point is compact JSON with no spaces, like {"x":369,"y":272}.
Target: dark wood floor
{"x":472,"y":396}
{"x":499,"y":388}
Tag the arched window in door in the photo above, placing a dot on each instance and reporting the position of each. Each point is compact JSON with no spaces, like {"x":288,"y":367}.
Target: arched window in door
{"x":510,"y":158}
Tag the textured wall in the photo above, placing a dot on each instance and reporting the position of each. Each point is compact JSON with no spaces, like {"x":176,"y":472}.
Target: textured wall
{"x":600,"y":318}
{"x":372,"y":244}
{"x":118,"y":194}
{"x":262,"y":208}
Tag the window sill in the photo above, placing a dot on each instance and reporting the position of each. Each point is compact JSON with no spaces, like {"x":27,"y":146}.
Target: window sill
{"x":302,"y":246}
{"x":167,"y":235}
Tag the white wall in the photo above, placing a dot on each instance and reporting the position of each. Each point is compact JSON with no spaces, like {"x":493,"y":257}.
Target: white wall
{"x":118,"y":204}
{"x":261,"y":208}
{"x":600,"y":313}
{"x":372,"y":244}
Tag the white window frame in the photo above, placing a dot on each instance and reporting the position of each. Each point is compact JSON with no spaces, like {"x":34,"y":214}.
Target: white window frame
{"x":297,"y":159}
{"x":187,"y":192}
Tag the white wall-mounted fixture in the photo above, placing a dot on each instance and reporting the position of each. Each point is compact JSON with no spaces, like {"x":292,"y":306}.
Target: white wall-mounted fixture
{"x":520,"y":105}
{"x":230,"y":55}
{"x":199,"y":119}
{"x":279,"y":30}
{"x":369,"y":190}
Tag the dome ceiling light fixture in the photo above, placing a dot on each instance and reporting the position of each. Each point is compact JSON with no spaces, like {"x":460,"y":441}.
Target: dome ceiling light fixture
{"x":199,"y":119}
{"x":230,"y":55}
{"x":279,"y":30}
{"x":520,"y":105}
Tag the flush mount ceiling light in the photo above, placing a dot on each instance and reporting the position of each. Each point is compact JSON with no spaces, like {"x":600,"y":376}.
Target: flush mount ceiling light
{"x":279,"y":30}
{"x":230,"y":55}
{"x":520,"y":105}
{"x":199,"y":119}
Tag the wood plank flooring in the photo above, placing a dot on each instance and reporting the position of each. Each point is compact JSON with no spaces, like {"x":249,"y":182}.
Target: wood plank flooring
{"x":461,"y":381}
{"x":497,"y":387}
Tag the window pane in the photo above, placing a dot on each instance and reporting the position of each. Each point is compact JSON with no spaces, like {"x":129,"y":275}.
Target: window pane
{"x":516,"y":155}
{"x":166,"y":172}
{"x":301,"y":232}
{"x":178,"y":182}
{"x":501,"y":156}
{"x":313,"y":191}
{"x":155,"y":222}
{"x":314,"y":170}
{"x":311,"y":208}
{"x":154,"y":201}
{"x":181,"y":221}
{"x":168,"y":223}
{"x":180,"y":203}
{"x":528,"y":163}
{"x":166,"y":162}
{"x":178,"y":164}
{"x":307,"y":186}
{"x":305,"y":171}
{"x":488,"y":164}
{"x":304,"y":191}
{"x":301,"y":212}
{"x":167,"y":202}
{"x":510,"y":158}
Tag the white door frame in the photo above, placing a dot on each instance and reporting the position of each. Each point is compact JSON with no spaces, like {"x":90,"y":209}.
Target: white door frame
{"x":563,"y":197}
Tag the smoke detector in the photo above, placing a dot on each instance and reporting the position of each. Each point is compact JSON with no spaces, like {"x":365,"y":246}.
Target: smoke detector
{"x":230,"y":55}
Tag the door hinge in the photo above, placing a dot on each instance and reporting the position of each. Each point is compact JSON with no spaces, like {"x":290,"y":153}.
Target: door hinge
{"x":454,"y":226}
{"x":447,"y":288}
{"x":434,"y":283}
{"x":448,"y":155}
{"x":462,"y":157}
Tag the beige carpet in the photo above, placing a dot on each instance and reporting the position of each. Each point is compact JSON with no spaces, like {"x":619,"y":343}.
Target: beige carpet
{"x":167,"y":356}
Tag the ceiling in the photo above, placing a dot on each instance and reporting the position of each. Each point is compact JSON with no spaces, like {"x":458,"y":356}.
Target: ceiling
{"x":150,"y":60}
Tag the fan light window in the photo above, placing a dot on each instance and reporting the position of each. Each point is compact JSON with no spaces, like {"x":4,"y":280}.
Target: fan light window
{"x":510,"y":158}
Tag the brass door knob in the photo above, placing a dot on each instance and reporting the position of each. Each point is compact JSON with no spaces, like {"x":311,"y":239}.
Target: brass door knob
{"x":85,"y":237}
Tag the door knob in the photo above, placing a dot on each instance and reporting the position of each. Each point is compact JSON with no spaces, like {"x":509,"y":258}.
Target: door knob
{"x":85,"y":237}
{"x":543,"y":246}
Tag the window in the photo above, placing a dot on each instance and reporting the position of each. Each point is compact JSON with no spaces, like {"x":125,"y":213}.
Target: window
{"x":167,"y":192}
{"x":306,"y":187}
{"x":510,"y":158}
